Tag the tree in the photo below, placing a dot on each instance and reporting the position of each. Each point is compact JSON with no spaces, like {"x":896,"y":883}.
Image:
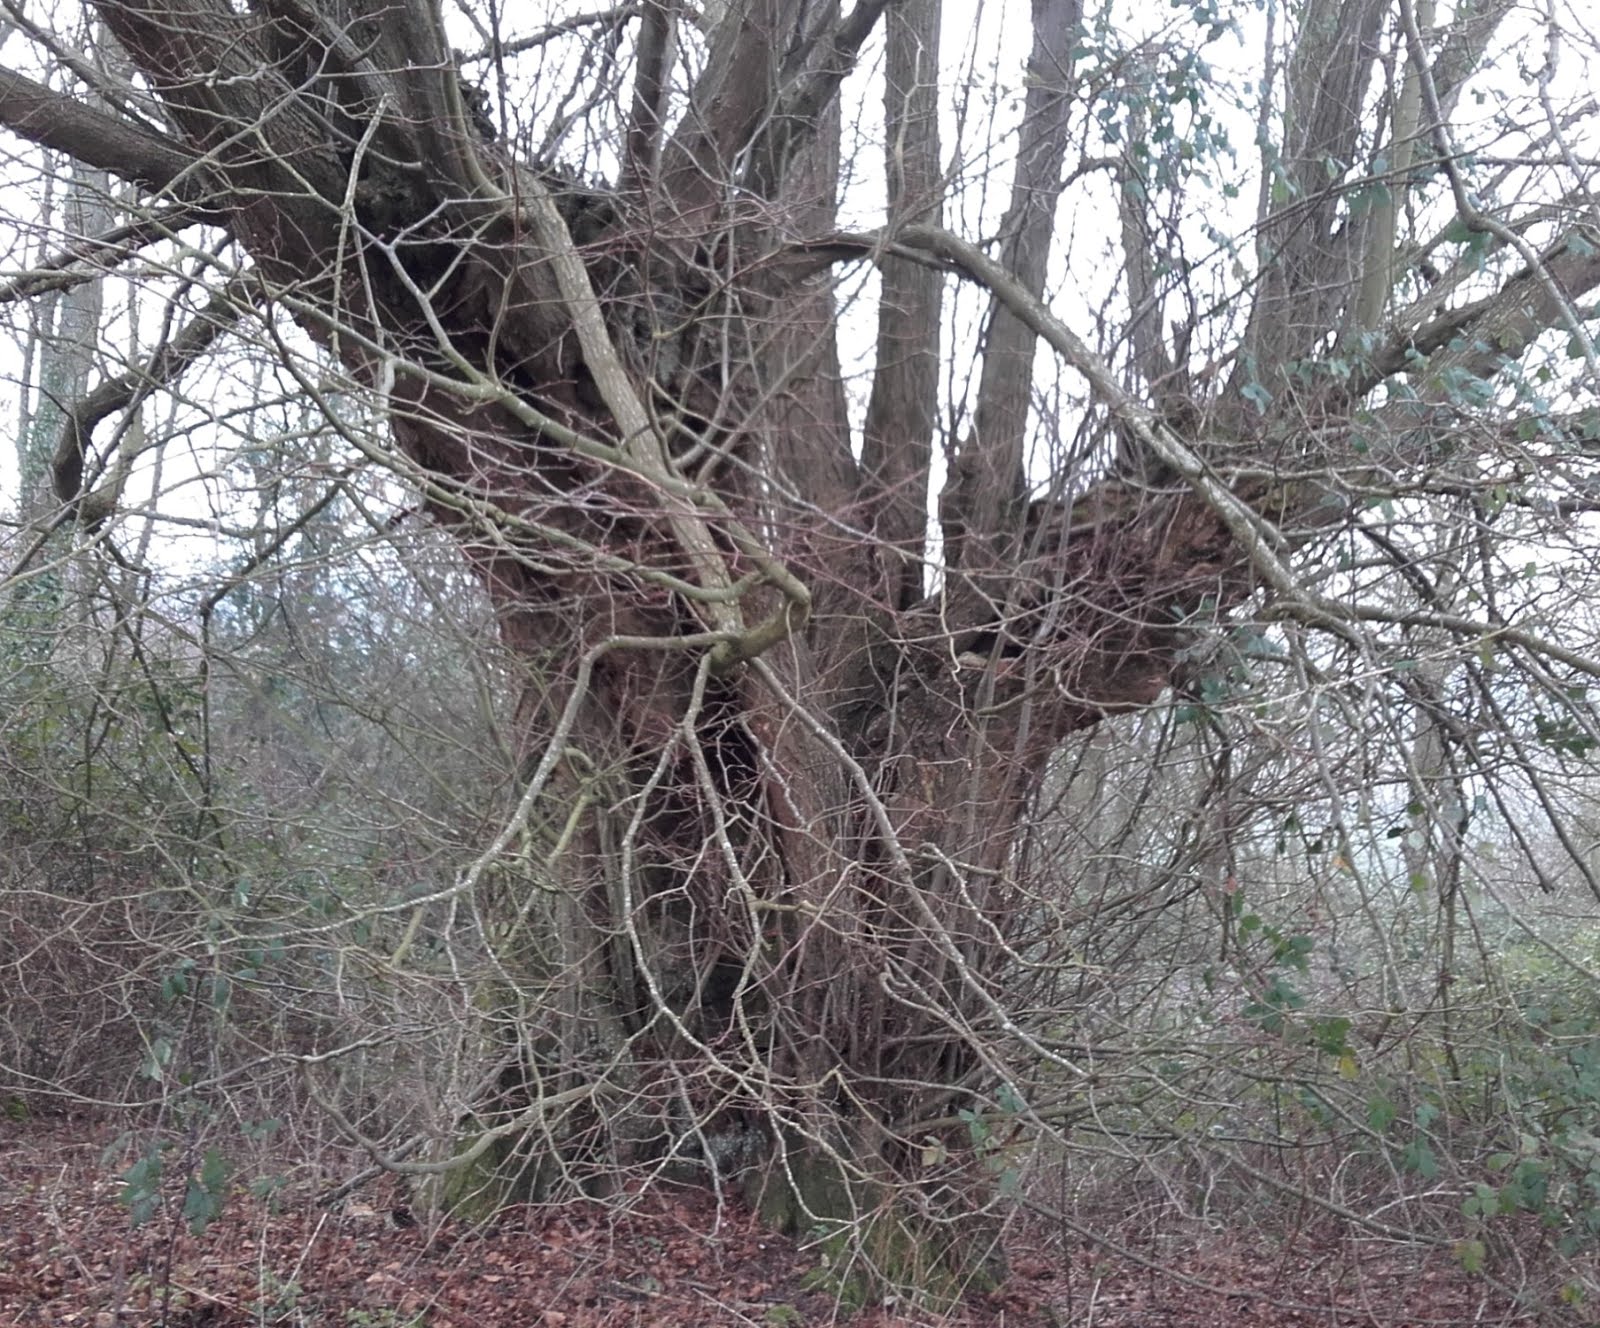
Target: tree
{"x":784,"y":734}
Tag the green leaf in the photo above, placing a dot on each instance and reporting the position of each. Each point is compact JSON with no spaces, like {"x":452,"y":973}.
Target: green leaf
{"x":1418,"y":1157}
{"x":259,"y":1130}
{"x":199,"y":1206}
{"x":977,"y":1127}
{"x":1295,"y":952}
{"x":215,"y":1170}
{"x":158,"y":1055}
{"x":1257,"y":396}
{"x":1331,"y":1035}
{"x":141,"y":1187}
{"x":1381,"y":1113}
{"x":206,"y":1193}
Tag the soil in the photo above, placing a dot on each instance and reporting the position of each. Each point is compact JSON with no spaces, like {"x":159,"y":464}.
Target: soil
{"x":669,"y":1256}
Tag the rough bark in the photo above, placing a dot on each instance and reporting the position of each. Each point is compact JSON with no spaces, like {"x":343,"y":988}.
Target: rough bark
{"x":897,"y":447}
{"x":1309,"y":260}
{"x":988,"y":489}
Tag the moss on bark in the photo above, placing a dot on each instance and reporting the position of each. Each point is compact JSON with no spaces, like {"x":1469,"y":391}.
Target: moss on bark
{"x":870,"y":1235}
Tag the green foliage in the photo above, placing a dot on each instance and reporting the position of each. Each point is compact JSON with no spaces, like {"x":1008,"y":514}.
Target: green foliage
{"x":1471,"y":1254}
{"x":989,"y":1133}
{"x":141,"y":1185}
{"x":1418,"y":1157}
{"x":1332,"y":1035}
{"x":1278,"y":999}
{"x":206,"y":1191}
{"x":1562,"y":734}
{"x":206,"y":1187}
{"x":1271,"y":1010}
{"x":1549,"y":1084}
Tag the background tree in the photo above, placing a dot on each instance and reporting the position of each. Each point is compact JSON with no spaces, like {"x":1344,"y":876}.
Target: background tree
{"x":799,"y":700}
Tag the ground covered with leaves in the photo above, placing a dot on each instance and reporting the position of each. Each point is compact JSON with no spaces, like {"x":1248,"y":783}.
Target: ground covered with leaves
{"x":70,"y":1254}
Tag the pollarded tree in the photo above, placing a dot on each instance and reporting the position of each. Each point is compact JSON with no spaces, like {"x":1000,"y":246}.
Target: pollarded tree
{"x":783,"y":727}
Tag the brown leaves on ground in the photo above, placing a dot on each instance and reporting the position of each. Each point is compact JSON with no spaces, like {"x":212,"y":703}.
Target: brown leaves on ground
{"x":668,"y":1258}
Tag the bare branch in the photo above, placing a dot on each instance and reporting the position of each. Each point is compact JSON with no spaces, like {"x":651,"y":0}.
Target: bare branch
{"x":1308,"y":261}
{"x":651,"y":84}
{"x":1472,"y":27}
{"x":117,"y":94}
{"x":764,"y":85}
{"x":164,"y":366}
{"x":599,"y":18}
{"x":90,"y":258}
{"x":986,"y":489}
{"x":41,"y":115}
{"x":1480,"y":337}
{"x":808,"y":83}
{"x":1511,"y":336}
{"x":898,"y":441}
